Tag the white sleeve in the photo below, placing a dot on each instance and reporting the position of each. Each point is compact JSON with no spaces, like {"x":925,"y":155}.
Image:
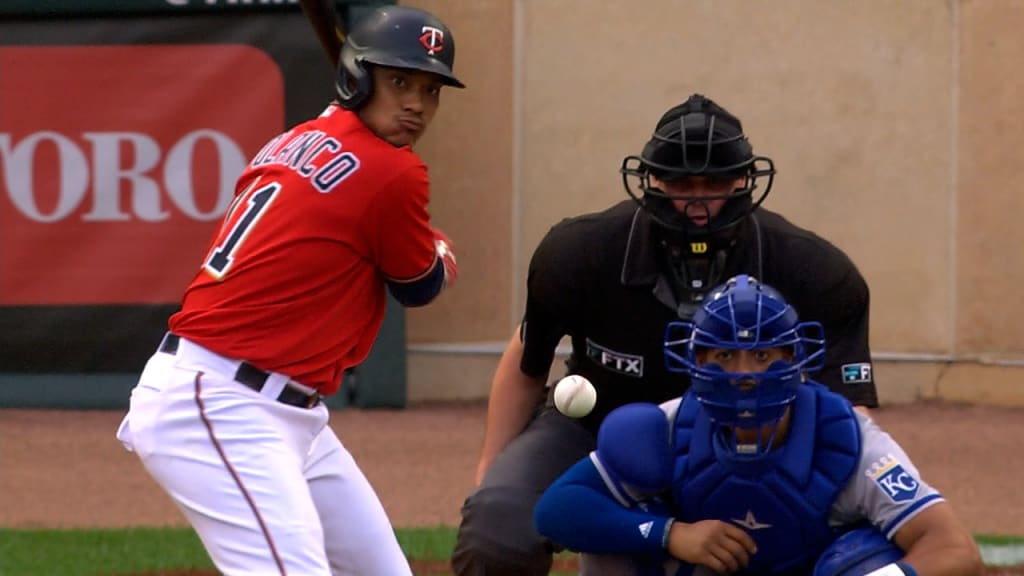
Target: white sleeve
{"x":671,"y":408}
{"x":885,"y":489}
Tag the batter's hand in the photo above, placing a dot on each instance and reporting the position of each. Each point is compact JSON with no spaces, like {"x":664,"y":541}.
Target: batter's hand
{"x":445,"y":252}
{"x":718,"y":545}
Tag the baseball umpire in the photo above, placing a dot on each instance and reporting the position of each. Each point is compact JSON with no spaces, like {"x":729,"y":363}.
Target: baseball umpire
{"x":227,"y":415}
{"x":755,"y":470}
{"x":612,"y":281}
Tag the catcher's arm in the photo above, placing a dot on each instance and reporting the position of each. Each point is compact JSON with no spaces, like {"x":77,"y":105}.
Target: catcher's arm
{"x":328,"y":23}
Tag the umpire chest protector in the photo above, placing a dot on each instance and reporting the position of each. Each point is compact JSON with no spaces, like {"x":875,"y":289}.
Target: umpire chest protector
{"x":782,"y":500}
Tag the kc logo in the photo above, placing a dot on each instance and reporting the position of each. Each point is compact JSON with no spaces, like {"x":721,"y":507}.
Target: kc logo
{"x":898,"y":484}
{"x":432,"y":39}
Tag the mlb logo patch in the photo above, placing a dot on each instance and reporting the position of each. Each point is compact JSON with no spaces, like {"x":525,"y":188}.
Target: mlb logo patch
{"x":859,"y":373}
{"x":898,"y":484}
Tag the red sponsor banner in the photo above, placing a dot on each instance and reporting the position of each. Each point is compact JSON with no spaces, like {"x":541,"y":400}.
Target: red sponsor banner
{"x":116,"y":163}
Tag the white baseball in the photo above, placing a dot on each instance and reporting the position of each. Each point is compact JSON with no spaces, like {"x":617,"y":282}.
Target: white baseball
{"x":575,"y":396}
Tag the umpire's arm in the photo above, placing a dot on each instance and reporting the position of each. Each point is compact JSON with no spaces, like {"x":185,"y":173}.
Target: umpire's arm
{"x":513,"y":398}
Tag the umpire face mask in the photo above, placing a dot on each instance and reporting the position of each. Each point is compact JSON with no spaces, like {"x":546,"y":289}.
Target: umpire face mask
{"x":698,"y":175}
{"x":701,"y":199}
{"x":694,"y":254}
{"x":699,"y":180}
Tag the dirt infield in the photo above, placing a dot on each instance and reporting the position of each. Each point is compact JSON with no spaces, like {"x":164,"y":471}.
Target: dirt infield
{"x":65,"y":469}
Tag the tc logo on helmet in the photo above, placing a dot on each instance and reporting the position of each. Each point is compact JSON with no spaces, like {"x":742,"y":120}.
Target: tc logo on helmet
{"x":432,"y":39}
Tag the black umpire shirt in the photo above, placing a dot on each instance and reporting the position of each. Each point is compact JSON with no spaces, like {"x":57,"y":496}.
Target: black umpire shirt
{"x":596,"y":278}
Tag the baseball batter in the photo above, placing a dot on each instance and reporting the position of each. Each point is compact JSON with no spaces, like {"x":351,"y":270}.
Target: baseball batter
{"x":227,"y":415}
{"x":756,"y":470}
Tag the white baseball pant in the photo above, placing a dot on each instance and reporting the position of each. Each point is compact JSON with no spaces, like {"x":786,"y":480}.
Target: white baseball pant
{"x":268,"y":487}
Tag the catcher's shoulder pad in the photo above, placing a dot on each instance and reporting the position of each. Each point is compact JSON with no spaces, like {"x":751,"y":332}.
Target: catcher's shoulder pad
{"x":634,"y":446}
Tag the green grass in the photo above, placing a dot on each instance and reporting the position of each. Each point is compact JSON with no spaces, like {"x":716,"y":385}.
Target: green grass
{"x":95,"y":552}
{"x":101,"y":552}
{"x":426,"y":543}
{"x":998,"y":540}
{"x":106,"y":552}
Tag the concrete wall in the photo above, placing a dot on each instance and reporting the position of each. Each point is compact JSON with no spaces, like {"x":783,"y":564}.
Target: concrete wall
{"x":894,"y":126}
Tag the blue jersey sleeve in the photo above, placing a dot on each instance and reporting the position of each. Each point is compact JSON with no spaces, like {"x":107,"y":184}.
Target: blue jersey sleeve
{"x":579,"y":512}
{"x":419,"y":292}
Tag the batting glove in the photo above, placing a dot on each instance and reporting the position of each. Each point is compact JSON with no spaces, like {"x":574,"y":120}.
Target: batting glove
{"x":443,"y":246}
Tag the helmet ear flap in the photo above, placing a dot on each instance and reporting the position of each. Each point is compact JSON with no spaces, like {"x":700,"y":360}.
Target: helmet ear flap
{"x":354,"y":83}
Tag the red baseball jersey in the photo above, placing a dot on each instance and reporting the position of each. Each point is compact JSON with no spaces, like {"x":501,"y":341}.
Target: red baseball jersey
{"x":293,"y":281}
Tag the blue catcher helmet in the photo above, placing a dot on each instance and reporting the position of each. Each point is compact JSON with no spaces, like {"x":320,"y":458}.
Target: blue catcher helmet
{"x":744,"y":314}
{"x":857,"y":553}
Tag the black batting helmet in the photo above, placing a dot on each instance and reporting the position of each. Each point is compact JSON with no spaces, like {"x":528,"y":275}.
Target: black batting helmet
{"x":697,"y":138}
{"x":396,"y":36}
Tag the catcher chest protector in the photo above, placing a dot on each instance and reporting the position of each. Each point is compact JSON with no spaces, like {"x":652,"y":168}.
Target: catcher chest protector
{"x":396,"y":36}
{"x":782,"y":501}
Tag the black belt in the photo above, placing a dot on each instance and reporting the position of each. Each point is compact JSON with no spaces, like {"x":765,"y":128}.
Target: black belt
{"x":253,"y":377}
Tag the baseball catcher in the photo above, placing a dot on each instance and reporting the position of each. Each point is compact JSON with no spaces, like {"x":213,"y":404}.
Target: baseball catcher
{"x":755,"y":470}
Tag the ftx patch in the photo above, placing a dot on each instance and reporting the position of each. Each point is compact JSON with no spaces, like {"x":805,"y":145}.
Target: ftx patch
{"x":626,"y":364}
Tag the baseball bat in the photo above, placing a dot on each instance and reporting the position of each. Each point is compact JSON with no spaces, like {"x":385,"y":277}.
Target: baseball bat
{"x":328,"y":25}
